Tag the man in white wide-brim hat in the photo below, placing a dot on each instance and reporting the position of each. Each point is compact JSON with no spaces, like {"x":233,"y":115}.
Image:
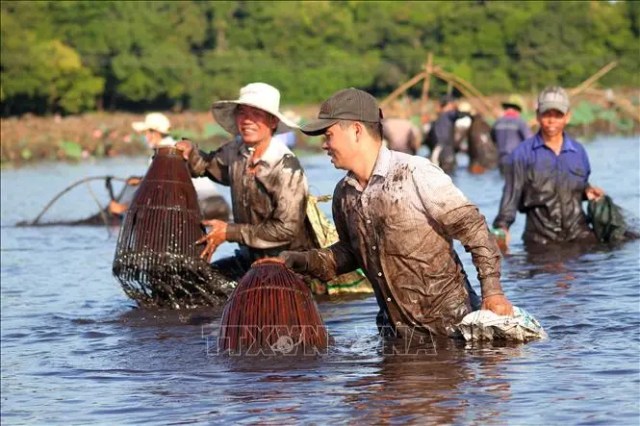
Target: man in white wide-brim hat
{"x":268,"y":186}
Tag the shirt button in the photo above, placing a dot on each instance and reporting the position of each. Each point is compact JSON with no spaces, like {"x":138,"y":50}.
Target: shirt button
{"x":374,"y":247}
{"x":379,"y":274}
{"x":398,"y":324}
{"x":368,"y":221}
{"x":388,"y":299}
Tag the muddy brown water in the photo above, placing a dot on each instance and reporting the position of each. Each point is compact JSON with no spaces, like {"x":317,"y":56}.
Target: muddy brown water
{"x":75,"y":350}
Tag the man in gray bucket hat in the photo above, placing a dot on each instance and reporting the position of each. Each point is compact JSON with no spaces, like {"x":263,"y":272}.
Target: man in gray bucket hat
{"x":397,"y":215}
{"x":547,"y":179}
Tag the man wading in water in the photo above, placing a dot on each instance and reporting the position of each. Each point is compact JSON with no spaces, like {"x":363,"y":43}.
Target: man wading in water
{"x":396,"y":217}
{"x":547,"y":178}
{"x":268,"y":186}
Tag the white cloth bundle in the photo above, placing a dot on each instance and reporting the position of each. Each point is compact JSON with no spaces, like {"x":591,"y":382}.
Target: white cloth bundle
{"x":486,"y":325}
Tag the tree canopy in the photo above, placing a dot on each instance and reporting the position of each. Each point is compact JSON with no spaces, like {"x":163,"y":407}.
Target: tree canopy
{"x":74,"y":56}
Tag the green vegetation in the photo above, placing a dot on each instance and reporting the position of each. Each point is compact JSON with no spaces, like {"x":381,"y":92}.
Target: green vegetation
{"x":75,"y":56}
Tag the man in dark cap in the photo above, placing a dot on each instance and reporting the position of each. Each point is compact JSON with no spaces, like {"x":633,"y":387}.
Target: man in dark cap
{"x":396,"y":216}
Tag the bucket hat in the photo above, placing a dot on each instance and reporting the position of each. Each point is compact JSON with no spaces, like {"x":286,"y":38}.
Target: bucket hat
{"x":514,"y":101}
{"x":258,"y":95}
{"x":153,"y":121}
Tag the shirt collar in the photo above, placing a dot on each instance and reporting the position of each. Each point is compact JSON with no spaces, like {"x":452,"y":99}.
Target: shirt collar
{"x":380,"y":168}
{"x":167,"y":141}
{"x":568,"y":144}
{"x":271,"y":156}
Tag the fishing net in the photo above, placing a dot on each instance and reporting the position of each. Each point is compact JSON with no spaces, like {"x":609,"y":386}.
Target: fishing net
{"x":156,"y":260}
{"x":272,"y":311}
{"x":610,"y":222}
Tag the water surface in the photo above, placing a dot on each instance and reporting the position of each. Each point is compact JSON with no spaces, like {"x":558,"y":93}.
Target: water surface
{"x":75,"y":350}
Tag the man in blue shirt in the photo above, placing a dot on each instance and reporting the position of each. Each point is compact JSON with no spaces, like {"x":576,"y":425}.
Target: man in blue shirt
{"x":547,"y":178}
{"x":509,"y":130}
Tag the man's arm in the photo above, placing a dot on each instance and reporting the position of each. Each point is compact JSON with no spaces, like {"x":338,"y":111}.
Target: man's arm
{"x":514,"y":176}
{"x":214,"y":165}
{"x":329,"y":262}
{"x":461,"y":220}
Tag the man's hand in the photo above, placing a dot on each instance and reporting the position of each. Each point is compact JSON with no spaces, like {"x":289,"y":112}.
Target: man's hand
{"x":593,"y":193}
{"x":116,"y":208}
{"x":134,"y":181}
{"x":216,"y":236}
{"x":295,"y":260}
{"x":186,"y":146}
{"x":497,"y":304}
{"x":503,"y":238}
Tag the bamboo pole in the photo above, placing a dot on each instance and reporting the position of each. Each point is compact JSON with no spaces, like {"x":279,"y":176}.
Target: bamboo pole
{"x":623,"y":104}
{"x":402,"y":88}
{"x":595,"y":77}
{"x":471,"y":93}
{"x":424,"y":99}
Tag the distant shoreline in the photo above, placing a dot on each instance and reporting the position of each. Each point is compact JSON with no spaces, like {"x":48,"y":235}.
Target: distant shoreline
{"x":30,"y":139}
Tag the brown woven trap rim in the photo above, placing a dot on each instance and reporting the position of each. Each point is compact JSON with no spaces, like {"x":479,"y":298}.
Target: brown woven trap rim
{"x":272,"y":311}
{"x":156,"y":260}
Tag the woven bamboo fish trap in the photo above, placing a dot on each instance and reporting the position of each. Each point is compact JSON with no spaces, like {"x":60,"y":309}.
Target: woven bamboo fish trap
{"x":157,"y":262}
{"x":271,"y":312}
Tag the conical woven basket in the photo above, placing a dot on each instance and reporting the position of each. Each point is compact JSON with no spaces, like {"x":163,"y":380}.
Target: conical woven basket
{"x":156,"y":260}
{"x":272,"y":311}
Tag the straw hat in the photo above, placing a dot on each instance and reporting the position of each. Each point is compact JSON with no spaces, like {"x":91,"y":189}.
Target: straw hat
{"x":257,"y":95}
{"x":514,"y":101}
{"x":154,"y":121}
{"x":465,"y":107}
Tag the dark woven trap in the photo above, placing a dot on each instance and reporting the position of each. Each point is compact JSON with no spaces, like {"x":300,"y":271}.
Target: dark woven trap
{"x":272,"y":311}
{"x":156,"y":260}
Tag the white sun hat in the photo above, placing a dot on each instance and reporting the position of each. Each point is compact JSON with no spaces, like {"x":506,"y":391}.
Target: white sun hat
{"x":154,"y":121}
{"x":258,"y":95}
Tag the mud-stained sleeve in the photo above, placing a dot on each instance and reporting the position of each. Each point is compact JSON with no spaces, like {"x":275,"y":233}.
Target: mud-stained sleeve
{"x":460,"y":220}
{"x":287,"y":186}
{"x":214,"y":165}
{"x":514,"y":175}
{"x":338,"y":258}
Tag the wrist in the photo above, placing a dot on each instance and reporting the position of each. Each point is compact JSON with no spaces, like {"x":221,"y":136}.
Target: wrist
{"x":233,"y":233}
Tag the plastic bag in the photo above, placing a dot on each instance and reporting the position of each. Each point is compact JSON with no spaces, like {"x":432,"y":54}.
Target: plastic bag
{"x":486,"y":325}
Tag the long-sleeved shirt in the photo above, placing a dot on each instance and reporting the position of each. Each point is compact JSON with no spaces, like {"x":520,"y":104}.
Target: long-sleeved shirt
{"x":549,"y":189}
{"x":508,"y":132}
{"x":268,"y":196}
{"x":440,"y":140}
{"x":399,"y":230}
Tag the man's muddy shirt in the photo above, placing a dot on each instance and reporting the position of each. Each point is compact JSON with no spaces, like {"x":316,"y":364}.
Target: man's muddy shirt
{"x":399,"y":229}
{"x":549,"y":189}
{"x":268,"y":196}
